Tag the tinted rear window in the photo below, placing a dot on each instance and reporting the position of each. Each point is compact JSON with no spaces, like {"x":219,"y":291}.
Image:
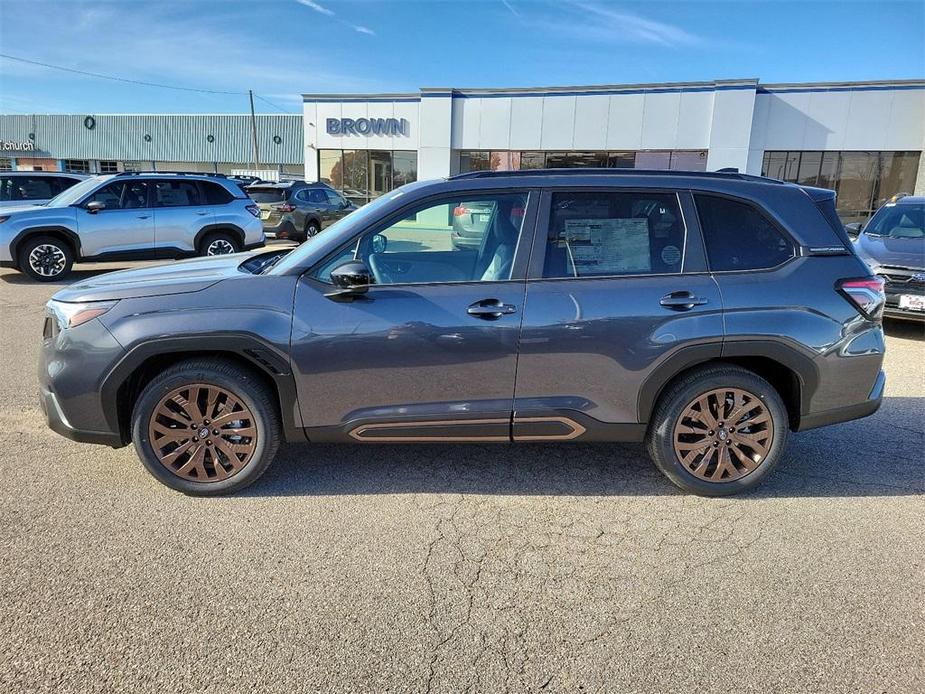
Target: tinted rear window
{"x":739,"y":237}
{"x":266,"y":194}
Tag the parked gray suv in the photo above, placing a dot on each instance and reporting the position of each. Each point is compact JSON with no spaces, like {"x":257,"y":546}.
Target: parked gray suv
{"x":129,"y":216}
{"x":708,"y":315}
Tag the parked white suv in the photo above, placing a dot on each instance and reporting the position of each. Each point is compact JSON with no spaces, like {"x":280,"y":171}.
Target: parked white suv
{"x":129,"y":216}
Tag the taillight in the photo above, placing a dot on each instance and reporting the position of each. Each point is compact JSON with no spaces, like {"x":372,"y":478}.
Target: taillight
{"x":285,"y":207}
{"x":460,"y":211}
{"x":253,"y":209}
{"x":865,"y":294}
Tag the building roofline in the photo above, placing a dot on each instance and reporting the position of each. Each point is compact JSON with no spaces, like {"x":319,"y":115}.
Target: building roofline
{"x":604,"y":89}
{"x":158,"y":115}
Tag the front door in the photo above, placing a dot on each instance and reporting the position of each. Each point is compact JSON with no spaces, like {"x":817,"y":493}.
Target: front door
{"x":429,"y":352}
{"x":125,"y":227}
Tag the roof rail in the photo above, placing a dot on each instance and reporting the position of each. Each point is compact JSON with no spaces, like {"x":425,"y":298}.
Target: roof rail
{"x":172,"y":173}
{"x":595,"y":171}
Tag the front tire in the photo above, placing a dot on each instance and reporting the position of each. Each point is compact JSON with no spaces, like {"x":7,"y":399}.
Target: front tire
{"x":717,"y":431}
{"x":206,"y":427}
{"x":45,"y":258}
{"x":219,"y":243}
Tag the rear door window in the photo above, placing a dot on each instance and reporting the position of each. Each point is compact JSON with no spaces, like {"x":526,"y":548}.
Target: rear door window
{"x":738,"y":236}
{"x":603,"y":234}
{"x":30,"y":188}
{"x":176,"y":194}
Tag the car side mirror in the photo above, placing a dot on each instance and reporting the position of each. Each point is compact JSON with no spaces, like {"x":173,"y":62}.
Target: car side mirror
{"x":350,"y":280}
{"x":854,"y":229}
{"x":95,"y":206}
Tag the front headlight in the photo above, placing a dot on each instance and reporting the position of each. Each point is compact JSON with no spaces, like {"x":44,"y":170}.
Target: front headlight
{"x":70,"y":315}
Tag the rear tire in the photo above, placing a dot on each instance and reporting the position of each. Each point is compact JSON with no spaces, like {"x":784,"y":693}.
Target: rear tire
{"x":219,"y":243}
{"x":45,"y":258}
{"x":206,"y":427}
{"x":311,"y":229}
{"x":718,"y":430}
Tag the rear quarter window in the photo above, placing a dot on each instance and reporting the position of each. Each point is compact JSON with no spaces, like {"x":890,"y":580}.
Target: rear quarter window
{"x":215,"y":194}
{"x":738,"y":236}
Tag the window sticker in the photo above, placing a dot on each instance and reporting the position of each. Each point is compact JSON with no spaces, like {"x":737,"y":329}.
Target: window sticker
{"x":608,"y":246}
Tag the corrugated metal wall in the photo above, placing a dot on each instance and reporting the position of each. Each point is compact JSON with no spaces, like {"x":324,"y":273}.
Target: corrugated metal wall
{"x":172,"y":137}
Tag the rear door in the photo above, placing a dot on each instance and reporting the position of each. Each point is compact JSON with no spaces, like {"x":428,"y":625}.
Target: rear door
{"x":617,"y":288}
{"x":180,"y":212}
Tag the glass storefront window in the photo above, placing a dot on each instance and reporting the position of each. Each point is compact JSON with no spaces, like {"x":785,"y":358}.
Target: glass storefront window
{"x":404,"y":168}
{"x":330,"y":169}
{"x":533,"y":160}
{"x":557,"y":160}
{"x":621,"y":160}
{"x":808,"y":173}
{"x":862,"y":180}
{"x":678,"y":160}
{"x":363,"y":175}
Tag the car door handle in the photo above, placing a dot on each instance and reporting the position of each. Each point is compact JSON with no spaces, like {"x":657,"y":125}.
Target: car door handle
{"x":490,"y":309}
{"x":143,"y":216}
{"x":682,"y":301}
{"x":202,"y":214}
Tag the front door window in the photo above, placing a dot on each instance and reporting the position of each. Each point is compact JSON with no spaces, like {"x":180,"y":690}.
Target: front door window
{"x":463,"y":239}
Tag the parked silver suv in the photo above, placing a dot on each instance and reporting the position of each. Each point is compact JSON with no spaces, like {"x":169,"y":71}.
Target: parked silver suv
{"x":129,"y":216}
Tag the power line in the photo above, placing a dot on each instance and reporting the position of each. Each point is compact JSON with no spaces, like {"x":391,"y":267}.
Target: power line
{"x":118,"y":79}
{"x":267,"y":101}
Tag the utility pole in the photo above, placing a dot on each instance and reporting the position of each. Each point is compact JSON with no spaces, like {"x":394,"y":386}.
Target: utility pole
{"x":250,"y":93}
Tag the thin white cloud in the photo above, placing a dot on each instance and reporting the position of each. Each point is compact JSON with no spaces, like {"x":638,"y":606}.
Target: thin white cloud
{"x":510,"y":6}
{"x":359,"y":28}
{"x":584,"y":20}
{"x":316,"y":7}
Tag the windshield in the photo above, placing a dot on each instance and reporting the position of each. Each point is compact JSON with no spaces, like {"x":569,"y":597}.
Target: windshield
{"x":898,"y":222}
{"x":343,"y":228}
{"x":74,"y":193}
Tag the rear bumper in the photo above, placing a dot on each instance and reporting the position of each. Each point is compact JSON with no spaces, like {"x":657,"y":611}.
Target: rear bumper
{"x":903,"y":314}
{"x":283,"y":230}
{"x":849,"y":412}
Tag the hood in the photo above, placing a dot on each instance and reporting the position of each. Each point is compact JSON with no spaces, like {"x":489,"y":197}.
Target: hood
{"x":158,"y":280}
{"x":16,"y":208}
{"x":886,"y":250}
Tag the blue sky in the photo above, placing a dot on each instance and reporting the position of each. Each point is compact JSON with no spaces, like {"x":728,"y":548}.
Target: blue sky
{"x":281,"y":48}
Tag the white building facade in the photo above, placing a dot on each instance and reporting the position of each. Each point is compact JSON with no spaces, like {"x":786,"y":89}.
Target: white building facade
{"x":865,"y":139}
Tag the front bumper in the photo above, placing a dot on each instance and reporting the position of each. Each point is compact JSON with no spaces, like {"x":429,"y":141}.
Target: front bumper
{"x":71,"y":365}
{"x":58,"y":423}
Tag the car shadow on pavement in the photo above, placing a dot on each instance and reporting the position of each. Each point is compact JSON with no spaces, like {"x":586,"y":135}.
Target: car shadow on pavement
{"x":878,"y":456}
{"x":72,"y":277}
{"x":907,"y":329}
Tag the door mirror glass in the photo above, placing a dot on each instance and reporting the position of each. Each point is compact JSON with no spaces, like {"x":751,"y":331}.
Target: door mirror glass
{"x":95,"y":206}
{"x":350,"y":280}
{"x":380,"y":243}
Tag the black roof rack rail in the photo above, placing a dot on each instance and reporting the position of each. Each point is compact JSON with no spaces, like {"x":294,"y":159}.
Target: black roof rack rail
{"x":172,"y":173}
{"x":595,"y":171}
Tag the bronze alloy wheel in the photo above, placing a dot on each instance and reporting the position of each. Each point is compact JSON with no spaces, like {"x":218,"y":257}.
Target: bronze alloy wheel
{"x":202,"y":433}
{"x":723,"y":434}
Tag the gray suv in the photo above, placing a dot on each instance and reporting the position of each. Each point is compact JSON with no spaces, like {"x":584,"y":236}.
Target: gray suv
{"x":708,"y":315}
{"x":129,"y":216}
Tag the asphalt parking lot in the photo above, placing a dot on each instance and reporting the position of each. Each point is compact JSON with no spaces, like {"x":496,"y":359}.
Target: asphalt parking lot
{"x":470,"y":568}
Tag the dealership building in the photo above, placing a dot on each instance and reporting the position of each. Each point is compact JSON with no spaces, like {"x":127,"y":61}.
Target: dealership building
{"x":864,"y":139}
